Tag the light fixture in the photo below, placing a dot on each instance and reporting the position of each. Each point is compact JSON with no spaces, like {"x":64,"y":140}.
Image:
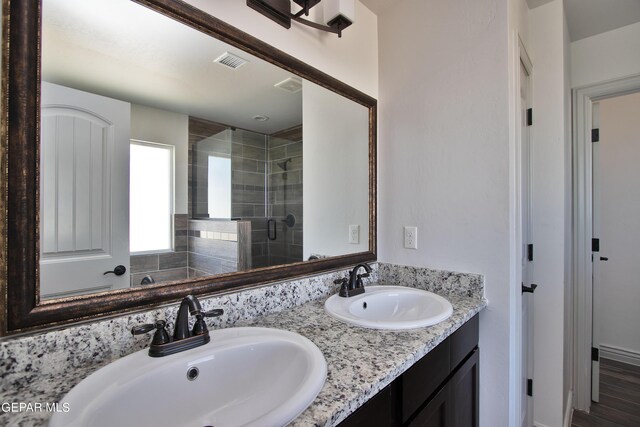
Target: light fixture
{"x":338,"y":14}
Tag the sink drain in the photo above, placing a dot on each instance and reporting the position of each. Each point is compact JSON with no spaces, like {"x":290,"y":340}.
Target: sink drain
{"x":364,"y":305}
{"x":192,"y":373}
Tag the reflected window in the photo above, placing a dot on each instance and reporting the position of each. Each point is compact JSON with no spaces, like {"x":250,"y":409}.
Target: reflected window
{"x":219,"y":187}
{"x":150,"y":197}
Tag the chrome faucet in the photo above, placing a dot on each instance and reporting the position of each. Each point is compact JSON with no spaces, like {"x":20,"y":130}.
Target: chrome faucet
{"x":182,"y":339}
{"x":353,"y":285}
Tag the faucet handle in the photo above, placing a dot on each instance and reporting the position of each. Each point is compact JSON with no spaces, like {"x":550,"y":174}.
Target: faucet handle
{"x":344,"y":286}
{"x":359,"y":278}
{"x":143,"y":329}
{"x":160,"y":337}
{"x":214,"y":313}
{"x":200,"y":327}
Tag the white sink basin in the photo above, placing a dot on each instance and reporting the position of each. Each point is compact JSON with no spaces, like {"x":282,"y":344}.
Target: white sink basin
{"x":247,"y":377}
{"x":390,"y":307}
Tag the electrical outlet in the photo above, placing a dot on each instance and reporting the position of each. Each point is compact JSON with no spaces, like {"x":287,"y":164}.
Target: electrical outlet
{"x":411,"y":237}
{"x":354,"y":234}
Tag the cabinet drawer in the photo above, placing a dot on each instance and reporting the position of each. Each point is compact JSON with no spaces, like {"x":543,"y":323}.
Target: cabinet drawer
{"x":422,"y":379}
{"x":463,"y":341}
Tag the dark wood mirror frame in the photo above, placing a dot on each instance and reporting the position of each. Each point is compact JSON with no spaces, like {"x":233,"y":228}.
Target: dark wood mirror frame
{"x":19,"y":179}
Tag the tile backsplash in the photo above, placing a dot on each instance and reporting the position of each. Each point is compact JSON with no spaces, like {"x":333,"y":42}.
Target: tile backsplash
{"x":441,"y":282}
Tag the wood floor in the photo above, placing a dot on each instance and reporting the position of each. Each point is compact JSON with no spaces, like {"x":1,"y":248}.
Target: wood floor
{"x":619,"y":398}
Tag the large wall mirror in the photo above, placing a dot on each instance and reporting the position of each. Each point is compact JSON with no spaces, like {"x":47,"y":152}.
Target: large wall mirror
{"x":155,"y":151}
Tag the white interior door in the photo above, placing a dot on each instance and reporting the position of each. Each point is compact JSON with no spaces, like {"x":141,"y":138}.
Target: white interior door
{"x":525,"y":213}
{"x":84,"y":192}
{"x":616,"y":223}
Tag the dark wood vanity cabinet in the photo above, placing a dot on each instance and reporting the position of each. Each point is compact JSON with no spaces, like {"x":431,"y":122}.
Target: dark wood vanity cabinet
{"x":440,"y":390}
{"x":456,"y":402}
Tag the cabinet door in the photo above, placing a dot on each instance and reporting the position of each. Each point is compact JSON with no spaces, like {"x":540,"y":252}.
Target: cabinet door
{"x":463,"y":393}
{"x":424,"y":378}
{"x":436,"y":413}
{"x":380,"y":411}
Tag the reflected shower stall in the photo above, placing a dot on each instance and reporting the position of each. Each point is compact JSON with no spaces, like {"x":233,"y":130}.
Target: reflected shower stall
{"x":250,"y":178}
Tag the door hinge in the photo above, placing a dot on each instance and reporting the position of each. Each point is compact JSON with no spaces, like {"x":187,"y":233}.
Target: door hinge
{"x":595,"y":245}
{"x":529,"y":116}
{"x":595,"y":354}
{"x":595,"y":135}
{"x":529,"y":387}
{"x":530,"y":251}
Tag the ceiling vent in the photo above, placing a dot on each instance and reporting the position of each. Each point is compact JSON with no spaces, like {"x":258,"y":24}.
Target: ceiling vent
{"x":291,"y":85}
{"x":230,"y":60}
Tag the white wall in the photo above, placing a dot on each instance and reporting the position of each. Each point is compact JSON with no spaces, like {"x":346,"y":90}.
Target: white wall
{"x":166,"y":127}
{"x":444,"y":158}
{"x":335,"y":172}
{"x":606,"y":56}
{"x":519,"y":21}
{"x":352,"y":59}
{"x":618,"y":287}
{"x":549,"y":163}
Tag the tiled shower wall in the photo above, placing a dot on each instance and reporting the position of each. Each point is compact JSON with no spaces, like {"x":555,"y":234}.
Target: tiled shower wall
{"x":203,"y":133}
{"x":248,"y":181}
{"x":218,"y":247}
{"x":247,"y":151}
{"x":285,"y":195}
{"x":260,"y":188}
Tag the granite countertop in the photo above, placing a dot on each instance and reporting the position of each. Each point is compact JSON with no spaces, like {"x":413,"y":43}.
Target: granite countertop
{"x":360,"y":362}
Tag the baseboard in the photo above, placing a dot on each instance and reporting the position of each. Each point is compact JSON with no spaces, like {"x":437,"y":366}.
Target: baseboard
{"x":568,"y":413}
{"x":619,"y":354}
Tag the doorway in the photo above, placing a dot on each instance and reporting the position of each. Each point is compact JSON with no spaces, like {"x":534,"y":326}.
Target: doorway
{"x":588,"y":225}
{"x":616,"y":225}
{"x":521,"y":413}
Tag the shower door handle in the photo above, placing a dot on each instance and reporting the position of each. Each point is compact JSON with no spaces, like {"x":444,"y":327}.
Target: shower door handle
{"x":275,"y":226}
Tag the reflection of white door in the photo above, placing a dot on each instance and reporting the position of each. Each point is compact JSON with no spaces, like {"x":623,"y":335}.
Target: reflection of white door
{"x":84,"y":192}
{"x":526,"y":417}
{"x":616,"y":223}
{"x":595,"y":362}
